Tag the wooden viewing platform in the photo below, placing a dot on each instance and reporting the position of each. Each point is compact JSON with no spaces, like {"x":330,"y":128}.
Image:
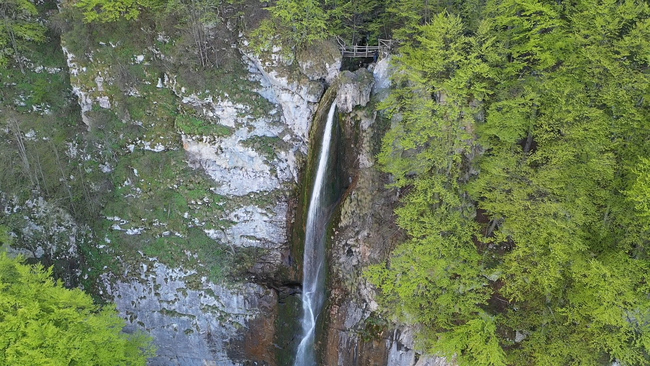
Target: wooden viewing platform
{"x":383,"y":49}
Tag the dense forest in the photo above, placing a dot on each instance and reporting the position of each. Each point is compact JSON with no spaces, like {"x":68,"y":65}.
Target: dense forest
{"x":518,"y":144}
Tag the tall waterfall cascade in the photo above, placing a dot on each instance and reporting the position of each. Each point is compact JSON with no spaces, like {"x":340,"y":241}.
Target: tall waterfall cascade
{"x":313,"y":285}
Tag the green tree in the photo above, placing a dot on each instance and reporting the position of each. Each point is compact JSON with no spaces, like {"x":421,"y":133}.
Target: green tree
{"x":195,"y":17}
{"x":529,"y":132}
{"x":18,"y":25}
{"x":293,"y":23}
{"x":639,"y":193}
{"x":105,"y":11}
{"x":42,"y":323}
{"x":437,"y":279}
{"x":5,"y":238}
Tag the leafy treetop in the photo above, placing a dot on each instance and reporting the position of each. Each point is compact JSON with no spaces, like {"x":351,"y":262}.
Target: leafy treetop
{"x":104,"y":11}
{"x":18,"y":26}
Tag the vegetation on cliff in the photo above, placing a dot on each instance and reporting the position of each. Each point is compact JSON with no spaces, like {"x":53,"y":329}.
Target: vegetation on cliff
{"x":90,"y":169}
{"x":18,"y":27}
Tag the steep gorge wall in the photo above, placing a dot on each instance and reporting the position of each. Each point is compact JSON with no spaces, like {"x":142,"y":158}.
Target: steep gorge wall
{"x":193,"y":243}
{"x":195,"y":320}
{"x":364,"y":234}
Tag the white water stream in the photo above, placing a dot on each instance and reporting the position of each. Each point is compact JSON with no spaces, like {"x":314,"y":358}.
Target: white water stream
{"x":313,"y":283}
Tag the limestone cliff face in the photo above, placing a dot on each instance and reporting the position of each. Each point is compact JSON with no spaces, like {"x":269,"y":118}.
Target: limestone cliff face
{"x":48,"y":233}
{"x":365,"y":233}
{"x":252,"y":159}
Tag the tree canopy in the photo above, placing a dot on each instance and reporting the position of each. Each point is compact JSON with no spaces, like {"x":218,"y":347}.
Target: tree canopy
{"x":43,"y":323}
{"x":18,"y":25}
{"x":520,"y":144}
{"x":105,"y":11}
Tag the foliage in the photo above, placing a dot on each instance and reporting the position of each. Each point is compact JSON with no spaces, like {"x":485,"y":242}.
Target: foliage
{"x":639,"y":193}
{"x":38,"y":118}
{"x":106,"y":11}
{"x":191,"y":125}
{"x":358,"y":22}
{"x":519,"y":144}
{"x":194,"y":17}
{"x":5,"y":238}
{"x":44,"y":323}
{"x":293,"y":23}
{"x":18,"y":26}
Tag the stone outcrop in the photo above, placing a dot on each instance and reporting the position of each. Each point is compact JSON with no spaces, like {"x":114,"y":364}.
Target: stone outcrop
{"x":195,"y":322}
{"x":382,"y":73}
{"x":320,"y":60}
{"x":296,"y":94}
{"x":354,"y":89}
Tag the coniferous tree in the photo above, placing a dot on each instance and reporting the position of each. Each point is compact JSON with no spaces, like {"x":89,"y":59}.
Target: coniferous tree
{"x":537,"y":116}
{"x":43,"y":323}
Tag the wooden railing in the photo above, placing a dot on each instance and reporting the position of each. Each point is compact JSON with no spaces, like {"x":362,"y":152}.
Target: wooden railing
{"x":384,"y":48}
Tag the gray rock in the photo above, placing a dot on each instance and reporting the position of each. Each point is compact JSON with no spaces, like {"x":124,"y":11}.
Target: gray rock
{"x":190,"y":326}
{"x":354,"y":89}
{"x":320,"y":60}
{"x":255,"y":227}
{"x":239,"y":170}
{"x":382,"y":72}
{"x":294,"y":92}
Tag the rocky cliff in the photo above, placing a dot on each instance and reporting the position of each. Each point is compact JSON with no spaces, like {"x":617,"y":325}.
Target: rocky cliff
{"x":363,"y":234}
{"x":247,"y":151}
{"x":189,"y":172}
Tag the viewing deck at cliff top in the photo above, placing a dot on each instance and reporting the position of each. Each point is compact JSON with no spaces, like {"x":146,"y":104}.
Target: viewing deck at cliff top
{"x":384,"y":48}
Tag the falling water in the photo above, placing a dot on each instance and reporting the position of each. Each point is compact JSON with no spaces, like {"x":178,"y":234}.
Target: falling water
{"x":313,"y":284}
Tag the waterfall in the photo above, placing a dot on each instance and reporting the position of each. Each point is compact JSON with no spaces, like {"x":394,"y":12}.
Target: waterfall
{"x":313,"y":283}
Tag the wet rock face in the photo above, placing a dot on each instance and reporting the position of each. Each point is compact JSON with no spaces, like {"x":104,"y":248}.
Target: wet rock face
{"x":364,"y":235}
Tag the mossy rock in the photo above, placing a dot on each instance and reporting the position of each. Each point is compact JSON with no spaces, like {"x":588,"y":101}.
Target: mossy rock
{"x":320,"y":60}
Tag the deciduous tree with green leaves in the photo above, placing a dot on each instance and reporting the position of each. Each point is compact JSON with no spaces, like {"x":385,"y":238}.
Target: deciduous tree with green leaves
{"x":105,"y":11}
{"x":437,"y":278}
{"x":293,"y":23}
{"x":18,"y":25}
